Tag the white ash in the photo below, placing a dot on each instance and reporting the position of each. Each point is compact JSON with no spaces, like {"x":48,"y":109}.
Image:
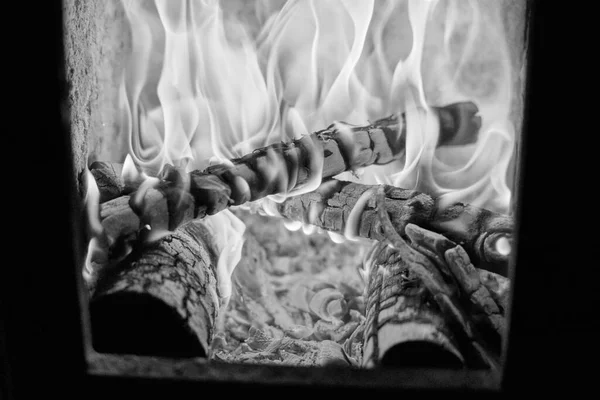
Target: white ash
{"x":277,"y":313}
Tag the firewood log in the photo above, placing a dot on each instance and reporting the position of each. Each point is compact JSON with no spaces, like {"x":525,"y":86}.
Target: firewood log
{"x":351,"y":209}
{"x":163,"y":299}
{"x":344,"y":148}
{"x":404,"y":327}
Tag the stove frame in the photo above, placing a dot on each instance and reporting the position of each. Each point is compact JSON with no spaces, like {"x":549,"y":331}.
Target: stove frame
{"x":60,"y":332}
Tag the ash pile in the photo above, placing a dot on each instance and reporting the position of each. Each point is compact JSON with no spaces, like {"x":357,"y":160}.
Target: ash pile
{"x":297,"y":299}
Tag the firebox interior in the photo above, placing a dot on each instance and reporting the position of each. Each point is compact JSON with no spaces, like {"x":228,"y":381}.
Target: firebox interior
{"x":254,"y":140}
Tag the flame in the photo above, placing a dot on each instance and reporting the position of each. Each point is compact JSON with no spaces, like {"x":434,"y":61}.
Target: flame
{"x":353,"y":220}
{"x":216,"y":80}
{"x":465,"y":57}
{"x":92,"y":204}
{"x":212,"y":80}
{"x":130,"y":174}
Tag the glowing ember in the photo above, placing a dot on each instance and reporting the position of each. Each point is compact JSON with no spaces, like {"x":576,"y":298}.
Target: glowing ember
{"x":503,"y":246}
{"x":96,"y":253}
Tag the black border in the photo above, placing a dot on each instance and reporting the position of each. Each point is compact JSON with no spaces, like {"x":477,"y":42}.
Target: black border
{"x":41,"y":332}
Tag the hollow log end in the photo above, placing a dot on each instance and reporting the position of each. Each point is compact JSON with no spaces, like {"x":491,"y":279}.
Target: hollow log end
{"x":420,"y":354}
{"x":138,"y":323}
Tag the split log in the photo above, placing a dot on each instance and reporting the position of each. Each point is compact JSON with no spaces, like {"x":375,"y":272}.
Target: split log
{"x":284,"y":168}
{"x":404,"y":327}
{"x":344,"y":148}
{"x":162,"y":300}
{"x":351,"y":209}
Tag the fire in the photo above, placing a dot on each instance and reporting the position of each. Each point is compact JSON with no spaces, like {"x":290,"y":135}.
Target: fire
{"x":92,"y":204}
{"x":212,"y":80}
{"x":228,"y":231}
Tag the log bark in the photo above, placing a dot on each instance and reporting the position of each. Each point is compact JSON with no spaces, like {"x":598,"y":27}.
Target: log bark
{"x":161,"y":300}
{"x":404,"y":327}
{"x":343,"y":150}
{"x":351,"y":209}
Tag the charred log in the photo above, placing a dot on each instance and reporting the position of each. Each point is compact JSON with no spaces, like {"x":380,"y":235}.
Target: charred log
{"x":278,"y":169}
{"x":351,"y":209}
{"x":343,"y":147}
{"x":161,"y":300}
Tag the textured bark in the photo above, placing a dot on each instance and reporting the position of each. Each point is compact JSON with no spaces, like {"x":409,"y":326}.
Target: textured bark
{"x":295,"y":163}
{"x":407,"y":324}
{"x":404,"y":326}
{"x":162,"y":300}
{"x":352,"y":209}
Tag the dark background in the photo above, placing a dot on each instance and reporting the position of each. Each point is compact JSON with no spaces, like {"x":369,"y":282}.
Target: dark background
{"x":551,"y":337}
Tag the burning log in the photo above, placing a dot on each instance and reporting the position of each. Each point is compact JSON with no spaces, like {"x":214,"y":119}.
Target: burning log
{"x":352,"y":210}
{"x":344,"y":148}
{"x":286,"y":168}
{"x":161,"y":300}
{"x":404,"y":326}
{"x":427,"y":305}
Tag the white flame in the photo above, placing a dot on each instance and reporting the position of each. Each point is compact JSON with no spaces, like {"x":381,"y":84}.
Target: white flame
{"x":503,"y":246}
{"x":130,"y":173}
{"x":210,"y":79}
{"x":227,"y":233}
{"x":92,"y":203}
{"x":97,"y":253}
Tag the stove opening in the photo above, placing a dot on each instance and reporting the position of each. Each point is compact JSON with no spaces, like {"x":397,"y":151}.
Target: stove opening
{"x":300,"y":183}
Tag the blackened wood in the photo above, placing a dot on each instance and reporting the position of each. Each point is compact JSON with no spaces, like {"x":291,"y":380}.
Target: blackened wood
{"x":161,"y":300}
{"x":351,"y":209}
